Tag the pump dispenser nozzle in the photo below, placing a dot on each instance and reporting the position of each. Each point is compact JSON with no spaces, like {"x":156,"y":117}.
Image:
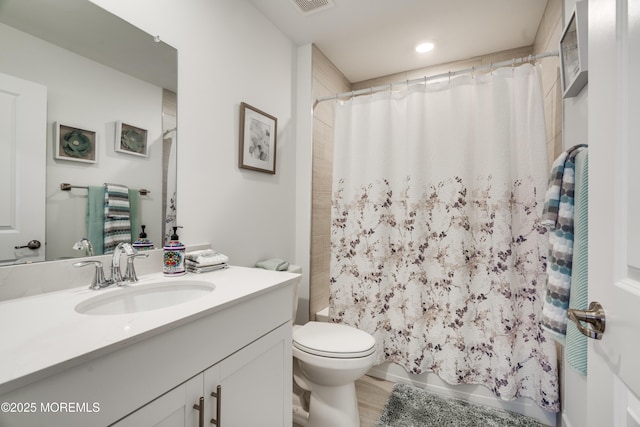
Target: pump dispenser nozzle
{"x":143,"y":244}
{"x":175,"y":236}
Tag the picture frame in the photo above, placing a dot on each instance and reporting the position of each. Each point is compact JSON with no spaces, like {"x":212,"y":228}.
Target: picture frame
{"x":75,"y":143}
{"x":574,"y":52}
{"x":131,"y":139}
{"x":258,"y":139}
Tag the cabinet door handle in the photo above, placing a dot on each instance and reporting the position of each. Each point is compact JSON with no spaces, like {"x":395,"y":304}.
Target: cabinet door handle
{"x":218,"y":395}
{"x":200,"y":408}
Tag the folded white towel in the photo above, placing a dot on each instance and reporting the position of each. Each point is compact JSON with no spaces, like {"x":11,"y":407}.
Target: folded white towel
{"x":192,"y":269}
{"x":206,"y":257}
{"x":275,"y":264}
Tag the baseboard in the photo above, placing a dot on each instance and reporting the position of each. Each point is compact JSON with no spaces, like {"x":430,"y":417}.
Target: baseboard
{"x":472,"y":393}
{"x":565,"y":421}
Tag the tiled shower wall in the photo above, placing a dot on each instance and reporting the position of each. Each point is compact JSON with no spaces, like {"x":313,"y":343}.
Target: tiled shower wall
{"x":328,"y":80}
{"x":547,"y":40}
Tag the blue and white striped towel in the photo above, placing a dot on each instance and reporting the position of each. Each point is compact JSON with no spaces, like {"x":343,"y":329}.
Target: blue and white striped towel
{"x":117,"y":224}
{"x":558,"y":217}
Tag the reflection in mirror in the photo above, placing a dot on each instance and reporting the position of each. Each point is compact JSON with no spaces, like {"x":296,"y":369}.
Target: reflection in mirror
{"x":99,"y":72}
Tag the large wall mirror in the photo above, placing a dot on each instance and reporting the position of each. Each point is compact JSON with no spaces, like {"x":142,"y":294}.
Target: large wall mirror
{"x":116,"y":87}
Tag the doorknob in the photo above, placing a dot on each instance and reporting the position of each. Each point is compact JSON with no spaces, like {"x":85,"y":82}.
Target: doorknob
{"x":33,"y":244}
{"x":594,"y":316}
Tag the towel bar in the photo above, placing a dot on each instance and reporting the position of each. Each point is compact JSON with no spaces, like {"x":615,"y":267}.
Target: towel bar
{"x":67,"y":187}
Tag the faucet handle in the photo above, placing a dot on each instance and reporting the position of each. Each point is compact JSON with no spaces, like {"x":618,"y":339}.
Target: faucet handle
{"x":130,"y":273}
{"x":99,"y":281}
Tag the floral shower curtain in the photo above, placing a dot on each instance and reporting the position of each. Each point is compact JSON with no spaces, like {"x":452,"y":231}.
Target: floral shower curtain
{"x":436,"y":244}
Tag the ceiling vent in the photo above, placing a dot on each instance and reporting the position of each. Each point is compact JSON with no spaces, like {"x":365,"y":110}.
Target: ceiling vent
{"x":307,"y":7}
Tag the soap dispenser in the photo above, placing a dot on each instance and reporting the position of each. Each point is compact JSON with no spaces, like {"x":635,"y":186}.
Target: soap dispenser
{"x":143,"y":243}
{"x":173,"y":257}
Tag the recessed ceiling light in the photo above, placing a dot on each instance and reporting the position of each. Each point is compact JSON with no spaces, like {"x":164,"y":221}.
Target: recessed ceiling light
{"x":424,"y":47}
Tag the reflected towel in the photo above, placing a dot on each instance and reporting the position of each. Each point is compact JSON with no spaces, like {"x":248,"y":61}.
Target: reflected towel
{"x":117,"y":226}
{"x":95,"y":218}
{"x":576,"y":346}
{"x":116,"y":201}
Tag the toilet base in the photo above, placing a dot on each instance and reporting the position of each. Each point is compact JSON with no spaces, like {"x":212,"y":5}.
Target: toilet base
{"x":300,"y":417}
{"x":300,"y":406}
{"x":330,"y":406}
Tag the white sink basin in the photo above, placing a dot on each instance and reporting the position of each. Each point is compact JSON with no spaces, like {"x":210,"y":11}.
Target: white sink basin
{"x":145,"y":297}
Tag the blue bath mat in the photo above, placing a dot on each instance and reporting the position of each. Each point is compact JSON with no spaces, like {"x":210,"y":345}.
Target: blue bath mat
{"x":409,"y":406}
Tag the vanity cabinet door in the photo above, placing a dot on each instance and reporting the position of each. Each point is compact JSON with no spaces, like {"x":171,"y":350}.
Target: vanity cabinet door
{"x":173,"y":409}
{"x":254,"y":390}
{"x":255,"y":383}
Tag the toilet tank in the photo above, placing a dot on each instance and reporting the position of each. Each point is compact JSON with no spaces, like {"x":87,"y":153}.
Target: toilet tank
{"x":295,"y":269}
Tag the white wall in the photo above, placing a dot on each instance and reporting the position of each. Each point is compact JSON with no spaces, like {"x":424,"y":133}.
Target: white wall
{"x":227,"y":53}
{"x":86,"y":94}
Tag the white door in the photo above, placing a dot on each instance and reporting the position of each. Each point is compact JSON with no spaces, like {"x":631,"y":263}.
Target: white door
{"x":614,"y":210}
{"x":255,"y":384}
{"x":173,"y":409}
{"x":23,"y":139}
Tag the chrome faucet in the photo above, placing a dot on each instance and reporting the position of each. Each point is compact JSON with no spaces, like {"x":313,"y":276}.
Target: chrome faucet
{"x":116,"y":273}
{"x":130,"y":273}
{"x":84,"y":244}
{"x":100,"y":281}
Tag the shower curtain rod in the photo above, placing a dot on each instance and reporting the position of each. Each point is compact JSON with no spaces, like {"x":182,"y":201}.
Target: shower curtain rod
{"x":422,"y":80}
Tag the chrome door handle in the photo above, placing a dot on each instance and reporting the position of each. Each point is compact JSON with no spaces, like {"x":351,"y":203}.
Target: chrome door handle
{"x":33,"y":244}
{"x":594,"y":317}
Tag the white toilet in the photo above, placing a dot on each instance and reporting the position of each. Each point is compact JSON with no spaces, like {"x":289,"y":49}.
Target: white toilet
{"x":327,"y":360}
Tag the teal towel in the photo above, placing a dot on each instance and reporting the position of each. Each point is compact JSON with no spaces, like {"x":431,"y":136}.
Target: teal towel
{"x":95,"y":218}
{"x":275,"y":264}
{"x":134,"y":213}
{"x":576,"y":343}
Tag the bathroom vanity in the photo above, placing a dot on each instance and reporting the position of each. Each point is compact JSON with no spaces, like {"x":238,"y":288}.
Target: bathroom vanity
{"x":223,"y":356}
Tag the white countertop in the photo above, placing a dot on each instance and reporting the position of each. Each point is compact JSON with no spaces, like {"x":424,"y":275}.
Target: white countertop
{"x":43,"y":334}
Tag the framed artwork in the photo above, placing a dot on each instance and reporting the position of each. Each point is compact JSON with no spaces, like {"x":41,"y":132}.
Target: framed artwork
{"x":258,"y":132}
{"x":574,"y":52}
{"x":131,"y":139}
{"x":74,"y":143}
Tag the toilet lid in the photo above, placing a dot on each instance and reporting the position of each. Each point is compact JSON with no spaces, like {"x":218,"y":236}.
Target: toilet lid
{"x":333,"y":340}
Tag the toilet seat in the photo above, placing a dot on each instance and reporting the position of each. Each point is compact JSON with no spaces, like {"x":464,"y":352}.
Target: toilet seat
{"x":333,"y":340}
